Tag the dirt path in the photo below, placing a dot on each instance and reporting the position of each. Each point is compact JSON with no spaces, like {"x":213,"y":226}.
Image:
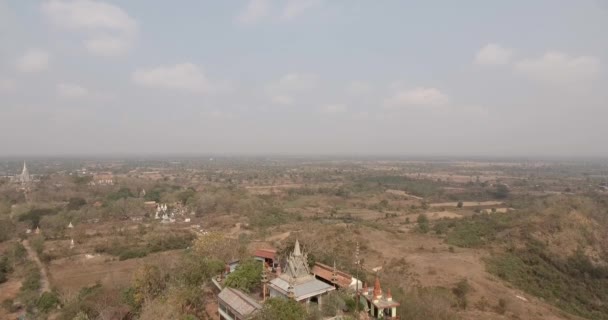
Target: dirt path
{"x":45,"y":285}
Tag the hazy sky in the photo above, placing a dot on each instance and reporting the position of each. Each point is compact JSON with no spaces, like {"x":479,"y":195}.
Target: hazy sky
{"x":500,"y":78}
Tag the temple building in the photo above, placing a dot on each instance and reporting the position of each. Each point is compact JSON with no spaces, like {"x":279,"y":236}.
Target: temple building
{"x":268,"y":256}
{"x":331,"y":275}
{"x":234,"y":304}
{"x":297,"y":282}
{"x":25,"y":178}
{"x":102,"y":179}
{"x":379,"y":305}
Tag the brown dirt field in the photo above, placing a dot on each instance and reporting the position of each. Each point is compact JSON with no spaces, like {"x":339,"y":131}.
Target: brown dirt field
{"x":452,"y":177}
{"x":279,"y":237}
{"x":271,"y":189}
{"x":440,"y":267}
{"x":468,"y":204}
{"x":403,"y":193}
{"x":436,"y":215}
{"x":9,"y":290}
{"x":72,"y":273}
{"x":500,"y":210}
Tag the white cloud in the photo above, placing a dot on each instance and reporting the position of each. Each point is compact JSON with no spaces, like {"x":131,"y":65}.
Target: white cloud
{"x":255,"y":11}
{"x":88,"y":14}
{"x":294,"y":8}
{"x":558,"y":68}
{"x":282,"y":99}
{"x":361,"y":115}
{"x":296,"y":82}
{"x":493,"y":54}
{"x":290,"y":85}
{"x":34,"y":60}
{"x":69,"y":90}
{"x":417,"y":97}
{"x":334,"y":108}
{"x":108,"y":45}
{"x":358,"y":88}
{"x":7,"y":84}
{"x":107,"y":28}
{"x":183,"y":76}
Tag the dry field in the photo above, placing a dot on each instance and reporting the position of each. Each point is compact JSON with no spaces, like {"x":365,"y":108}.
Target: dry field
{"x":71,"y":274}
{"x":404,"y":194}
{"x":272,"y":189}
{"x":9,"y":290}
{"x":432,"y":264}
{"x":466,"y":204}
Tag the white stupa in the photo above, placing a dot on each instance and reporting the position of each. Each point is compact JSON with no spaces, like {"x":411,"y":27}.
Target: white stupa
{"x":70,"y":226}
{"x":25,"y":177}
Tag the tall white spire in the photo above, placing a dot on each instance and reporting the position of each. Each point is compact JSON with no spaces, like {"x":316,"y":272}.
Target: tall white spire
{"x":296,"y":249}
{"x":25,"y":177}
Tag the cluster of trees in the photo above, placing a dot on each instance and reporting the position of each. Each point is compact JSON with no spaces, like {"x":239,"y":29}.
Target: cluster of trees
{"x":157,"y":291}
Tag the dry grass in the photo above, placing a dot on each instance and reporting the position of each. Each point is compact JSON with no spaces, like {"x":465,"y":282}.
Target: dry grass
{"x":467,"y":204}
{"x":72,"y":273}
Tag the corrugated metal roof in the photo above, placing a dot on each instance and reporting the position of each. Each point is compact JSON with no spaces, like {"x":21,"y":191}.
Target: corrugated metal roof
{"x":239,"y":301}
{"x":303,"y":290}
{"x":326,"y":272}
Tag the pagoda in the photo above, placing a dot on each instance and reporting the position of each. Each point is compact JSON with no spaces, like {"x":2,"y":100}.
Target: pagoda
{"x":297,"y":282}
{"x":380,"y":306}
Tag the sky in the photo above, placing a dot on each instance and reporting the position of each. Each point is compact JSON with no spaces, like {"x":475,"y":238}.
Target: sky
{"x":335,"y":77}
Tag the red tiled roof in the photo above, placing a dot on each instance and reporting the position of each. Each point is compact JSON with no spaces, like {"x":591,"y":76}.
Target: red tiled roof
{"x":266,"y":253}
{"x":325,"y":272}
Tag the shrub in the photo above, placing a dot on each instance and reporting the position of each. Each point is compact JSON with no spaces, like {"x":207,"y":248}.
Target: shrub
{"x":169,"y":241}
{"x":122,"y":193}
{"x":501,"y":308}
{"x":426,"y":303}
{"x":423,"y":223}
{"x":9,"y":305}
{"x":32,"y":279}
{"x":47,"y":301}
{"x":76,"y":203}
{"x":132,"y":253}
{"x":572,"y":284}
{"x":461,"y":290}
{"x":7,"y":229}
{"x":246,"y":276}
{"x":482,"y":304}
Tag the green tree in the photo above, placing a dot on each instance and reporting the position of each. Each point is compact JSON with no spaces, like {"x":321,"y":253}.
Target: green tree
{"x":76,"y":203}
{"x":122,"y":193}
{"x":148,"y":283}
{"x":332,"y":304}
{"x":501,"y":191}
{"x":281,"y":309}
{"x":423,"y":223}
{"x":47,"y":302}
{"x":186,"y":195}
{"x":246,"y":276}
{"x":460,"y":291}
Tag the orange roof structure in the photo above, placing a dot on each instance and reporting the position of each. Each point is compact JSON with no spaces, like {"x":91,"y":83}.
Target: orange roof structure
{"x":325,"y":272}
{"x":377,"y":288}
{"x":266,"y":253}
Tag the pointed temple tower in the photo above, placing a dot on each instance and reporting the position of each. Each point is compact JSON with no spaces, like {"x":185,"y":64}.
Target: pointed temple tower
{"x":379,"y":305}
{"x":25,"y":178}
{"x":296,"y":280}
